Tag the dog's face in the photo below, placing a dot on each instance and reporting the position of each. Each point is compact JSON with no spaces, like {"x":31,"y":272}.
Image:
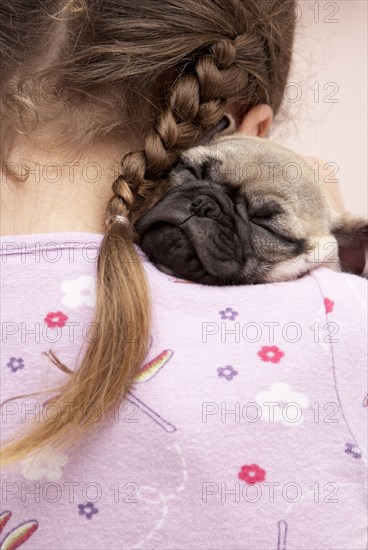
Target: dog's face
{"x":242,"y":210}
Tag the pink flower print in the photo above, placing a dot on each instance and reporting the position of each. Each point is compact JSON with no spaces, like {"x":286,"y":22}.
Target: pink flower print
{"x":227,"y":372}
{"x":57,"y":319}
{"x":87,"y":510}
{"x":252,"y":473}
{"x":271,"y":353}
{"x":329,"y":305}
{"x":14,"y":364}
{"x":228,"y":313}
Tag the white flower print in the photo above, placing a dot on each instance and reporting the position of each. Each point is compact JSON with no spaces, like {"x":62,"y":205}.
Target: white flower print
{"x":281,"y":404}
{"x":48,"y":465}
{"x":79,"y":291}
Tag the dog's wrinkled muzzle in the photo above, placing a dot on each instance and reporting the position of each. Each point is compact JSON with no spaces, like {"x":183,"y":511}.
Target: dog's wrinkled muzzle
{"x":194,"y":232}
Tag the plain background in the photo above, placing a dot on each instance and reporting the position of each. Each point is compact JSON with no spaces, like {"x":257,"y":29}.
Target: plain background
{"x":325,"y":109}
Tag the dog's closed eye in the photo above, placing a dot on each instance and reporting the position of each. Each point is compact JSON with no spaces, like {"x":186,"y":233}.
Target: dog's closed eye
{"x":264,"y":212}
{"x":198,"y":170}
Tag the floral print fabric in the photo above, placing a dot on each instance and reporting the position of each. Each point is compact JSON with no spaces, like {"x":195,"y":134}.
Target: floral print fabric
{"x":245,"y":427}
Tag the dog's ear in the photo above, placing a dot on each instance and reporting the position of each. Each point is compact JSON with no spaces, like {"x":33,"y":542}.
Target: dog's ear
{"x":351,"y":234}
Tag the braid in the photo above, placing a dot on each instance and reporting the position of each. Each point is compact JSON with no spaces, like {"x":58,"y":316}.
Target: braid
{"x":194,"y":103}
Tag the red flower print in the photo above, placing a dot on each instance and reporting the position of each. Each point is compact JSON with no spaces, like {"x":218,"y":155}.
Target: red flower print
{"x":271,"y":353}
{"x":329,"y":305}
{"x":252,"y":474}
{"x":57,"y":319}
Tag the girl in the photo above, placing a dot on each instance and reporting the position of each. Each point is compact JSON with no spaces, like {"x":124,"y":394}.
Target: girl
{"x":180,"y":416}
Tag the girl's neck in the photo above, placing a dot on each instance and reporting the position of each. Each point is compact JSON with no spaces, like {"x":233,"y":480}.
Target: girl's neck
{"x":62,"y":193}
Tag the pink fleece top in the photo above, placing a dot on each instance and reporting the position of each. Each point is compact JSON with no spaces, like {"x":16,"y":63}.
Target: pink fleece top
{"x":246,"y":427}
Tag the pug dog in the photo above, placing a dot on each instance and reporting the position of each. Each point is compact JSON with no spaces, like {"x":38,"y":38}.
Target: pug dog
{"x":244,"y":210}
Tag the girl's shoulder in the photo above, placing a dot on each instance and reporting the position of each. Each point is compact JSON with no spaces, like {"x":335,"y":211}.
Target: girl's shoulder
{"x":349,"y":291}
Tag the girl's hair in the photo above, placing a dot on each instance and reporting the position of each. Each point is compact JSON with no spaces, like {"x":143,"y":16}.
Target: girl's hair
{"x":183,"y":62}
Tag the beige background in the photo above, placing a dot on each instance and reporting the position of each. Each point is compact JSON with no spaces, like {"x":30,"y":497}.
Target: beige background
{"x":326,"y":99}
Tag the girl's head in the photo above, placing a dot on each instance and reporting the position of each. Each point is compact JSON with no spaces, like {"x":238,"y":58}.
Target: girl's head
{"x":166,"y":70}
{"x":159,"y":74}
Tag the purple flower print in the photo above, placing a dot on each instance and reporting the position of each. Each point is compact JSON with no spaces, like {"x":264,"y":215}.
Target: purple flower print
{"x":227,"y":372}
{"x":87,"y":510}
{"x":228,"y":313}
{"x":353,"y":450}
{"x":15,"y":364}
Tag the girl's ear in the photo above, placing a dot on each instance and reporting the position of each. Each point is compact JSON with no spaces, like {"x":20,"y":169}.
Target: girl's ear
{"x":257,"y":121}
{"x":351,"y":234}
